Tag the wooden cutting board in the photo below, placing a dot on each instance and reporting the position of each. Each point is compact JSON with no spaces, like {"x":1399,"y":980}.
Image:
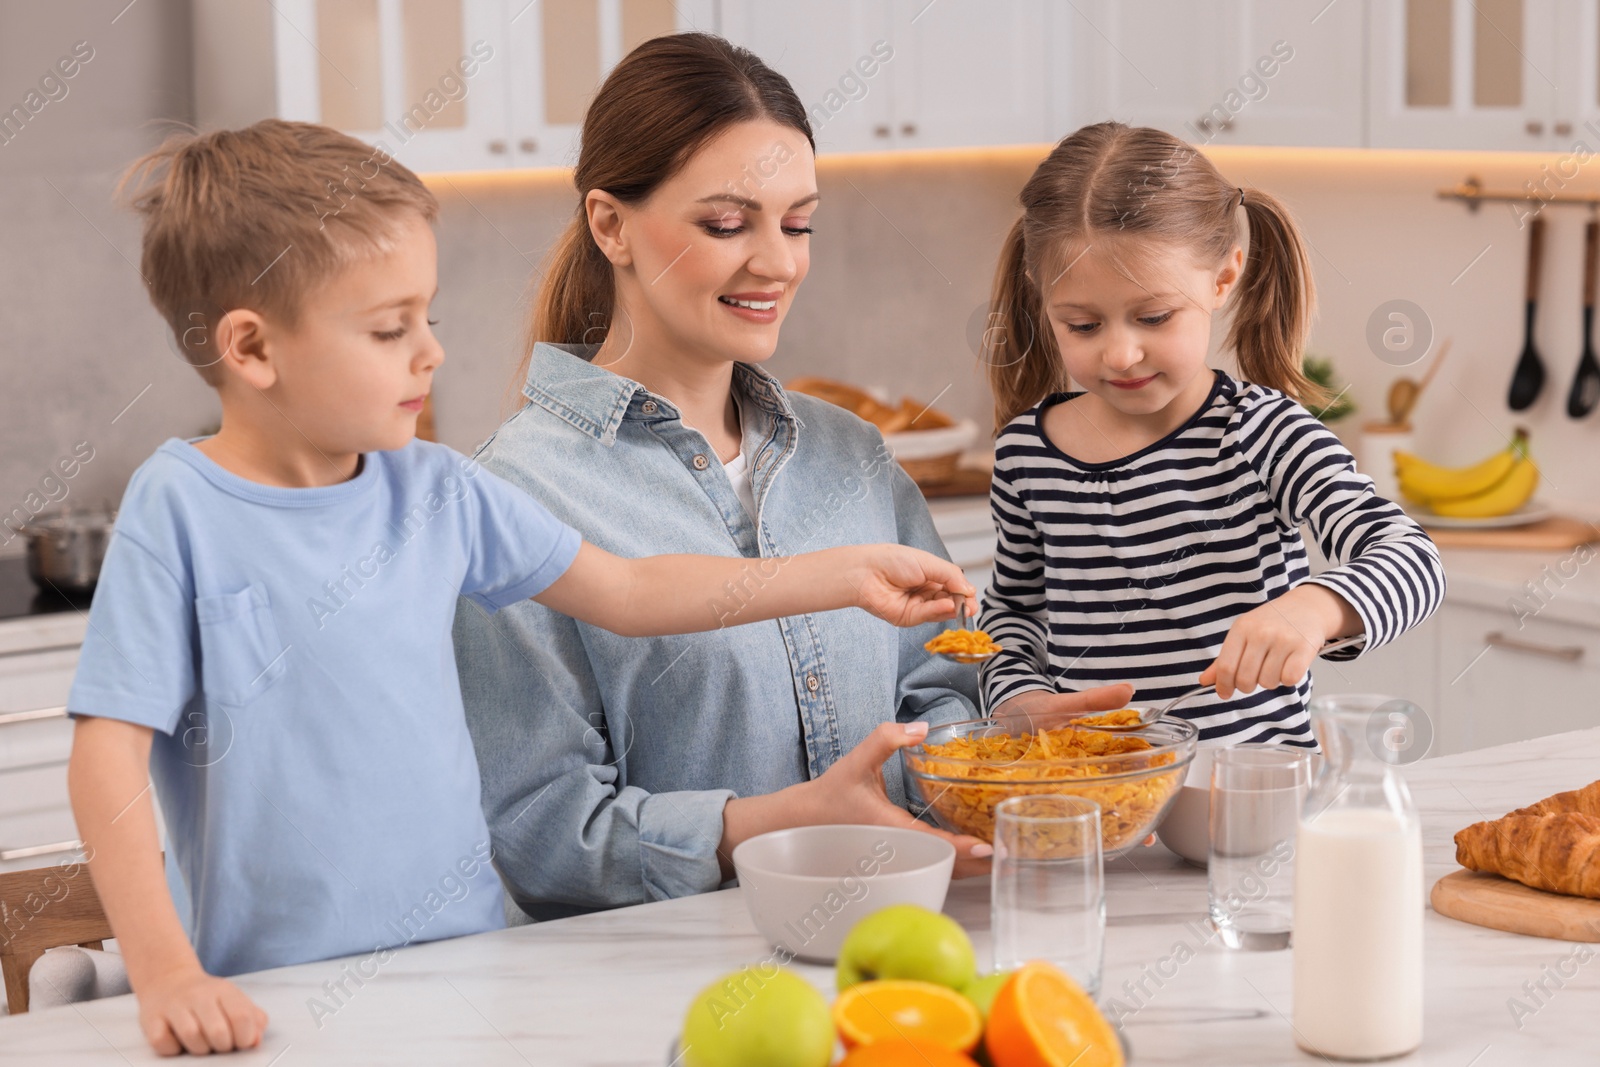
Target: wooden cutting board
{"x":1554,"y":534}
{"x":1501,"y":904}
{"x":969,"y":481}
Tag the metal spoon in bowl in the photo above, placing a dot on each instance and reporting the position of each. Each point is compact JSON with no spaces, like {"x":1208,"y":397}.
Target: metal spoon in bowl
{"x":961,"y":624}
{"x":1150,"y":715}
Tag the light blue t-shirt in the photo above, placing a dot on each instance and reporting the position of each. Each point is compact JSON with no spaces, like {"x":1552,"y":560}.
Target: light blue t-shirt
{"x":291,"y":650}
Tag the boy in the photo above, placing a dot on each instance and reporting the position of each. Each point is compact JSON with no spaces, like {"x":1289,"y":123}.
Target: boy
{"x":270,"y":640}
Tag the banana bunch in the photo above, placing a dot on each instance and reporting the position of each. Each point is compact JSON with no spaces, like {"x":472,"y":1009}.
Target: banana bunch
{"x":1496,"y":486}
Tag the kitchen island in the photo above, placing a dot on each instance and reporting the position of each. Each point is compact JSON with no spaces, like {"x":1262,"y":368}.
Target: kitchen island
{"x":611,"y":988}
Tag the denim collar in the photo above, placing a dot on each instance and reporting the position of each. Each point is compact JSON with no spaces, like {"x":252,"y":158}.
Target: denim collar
{"x":595,"y":400}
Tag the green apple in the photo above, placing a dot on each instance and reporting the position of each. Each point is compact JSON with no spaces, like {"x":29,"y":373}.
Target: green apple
{"x":762,"y":1014}
{"x":982,"y":991}
{"x":907,"y":941}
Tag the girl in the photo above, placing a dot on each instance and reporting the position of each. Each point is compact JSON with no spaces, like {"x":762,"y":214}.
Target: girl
{"x":1148,"y":524}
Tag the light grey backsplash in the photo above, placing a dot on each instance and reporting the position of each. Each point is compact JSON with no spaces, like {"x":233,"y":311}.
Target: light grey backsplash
{"x":902,"y":261}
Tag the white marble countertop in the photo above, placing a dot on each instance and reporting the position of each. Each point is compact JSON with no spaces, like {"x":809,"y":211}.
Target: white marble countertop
{"x":612,"y":988}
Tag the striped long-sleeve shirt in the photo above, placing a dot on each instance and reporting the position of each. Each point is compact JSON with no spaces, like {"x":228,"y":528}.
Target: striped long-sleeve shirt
{"x":1134,"y":570}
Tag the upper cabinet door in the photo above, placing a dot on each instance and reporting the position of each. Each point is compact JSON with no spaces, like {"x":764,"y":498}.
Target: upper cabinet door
{"x":562,"y":51}
{"x":1465,"y":74}
{"x":1577,"y":112}
{"x":1142,"y":62}
{"x":841,"y":56}
{"x":1260,"y":72}
{"x":423,"y":79}
{"x":972,"y":72}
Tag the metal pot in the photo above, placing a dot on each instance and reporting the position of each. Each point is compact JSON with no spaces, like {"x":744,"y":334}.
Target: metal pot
{"x":65,"y":549}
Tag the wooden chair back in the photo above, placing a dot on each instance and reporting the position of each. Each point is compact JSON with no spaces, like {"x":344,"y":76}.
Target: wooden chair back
{"x":45,"y":908}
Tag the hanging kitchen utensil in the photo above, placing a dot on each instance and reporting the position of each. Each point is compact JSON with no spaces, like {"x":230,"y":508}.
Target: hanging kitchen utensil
{"x":1528,"y":378}
{"x":1403,"y":394}
{"x":1586,"y":383}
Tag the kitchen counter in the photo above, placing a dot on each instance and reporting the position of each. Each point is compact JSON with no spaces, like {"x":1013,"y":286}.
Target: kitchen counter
{"x":611,"y":988}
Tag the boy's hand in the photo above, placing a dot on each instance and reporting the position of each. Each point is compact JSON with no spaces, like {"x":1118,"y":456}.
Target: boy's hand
{"x":907,"y":586}
{"x":193,"y":1012}
{"x":1276,"y":643}
{"x":1038,"y":709}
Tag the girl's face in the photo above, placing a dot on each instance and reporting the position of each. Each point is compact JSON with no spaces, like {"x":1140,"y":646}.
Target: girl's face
{"x":1139,"y":346}
{"x":709,"y":263}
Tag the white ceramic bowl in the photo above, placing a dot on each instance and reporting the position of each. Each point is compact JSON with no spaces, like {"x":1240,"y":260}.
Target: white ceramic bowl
{"x":925,"y":444}
{"x":807,"y":886}
{"x":1186,"y":829}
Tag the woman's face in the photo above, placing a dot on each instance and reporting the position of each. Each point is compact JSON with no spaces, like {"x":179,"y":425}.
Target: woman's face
{"x":709,"y":262}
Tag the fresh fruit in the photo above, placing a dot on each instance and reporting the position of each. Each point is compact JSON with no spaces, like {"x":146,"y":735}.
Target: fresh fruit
{"x":898,"y":1052}
{"x":1498,"y":485}
{"x":900,"y":1008}
{"x":751,"y":1017}
{"x":1425,"y":482}
{"x":907,"y":941}
{"x":1042,"y":1018}
{"x":982,"y":991}
{"x":1506,"y":496}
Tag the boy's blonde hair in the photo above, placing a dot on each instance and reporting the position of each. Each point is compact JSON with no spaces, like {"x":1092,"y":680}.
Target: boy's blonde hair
{"x":1132,"y":192}
{"x":257,"y":217}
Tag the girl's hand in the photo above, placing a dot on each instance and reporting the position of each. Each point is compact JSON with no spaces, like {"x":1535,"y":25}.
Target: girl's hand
{"x":852,"y":792}
{"x":1041,"y":710}
{"x":194,"y":1012}
{"x":908,"y":586}
{"x":1276,"y":643}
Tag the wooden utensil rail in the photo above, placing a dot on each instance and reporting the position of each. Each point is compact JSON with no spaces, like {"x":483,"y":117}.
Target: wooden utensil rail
{"x":1472,"y":193}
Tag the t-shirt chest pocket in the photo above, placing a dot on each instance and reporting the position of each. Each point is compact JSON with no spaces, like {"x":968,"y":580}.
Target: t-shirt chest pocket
{"x":241,"y":655}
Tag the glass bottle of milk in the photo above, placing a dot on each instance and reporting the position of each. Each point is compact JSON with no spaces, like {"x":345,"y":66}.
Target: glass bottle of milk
{"x":1358,"y":896}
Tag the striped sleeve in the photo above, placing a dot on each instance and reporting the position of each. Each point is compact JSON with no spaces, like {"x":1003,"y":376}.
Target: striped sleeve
{"x":1388,"y":568}
{"x":1014,"y":608}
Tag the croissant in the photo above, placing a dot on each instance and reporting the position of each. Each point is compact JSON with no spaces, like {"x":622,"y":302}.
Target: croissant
{"x":1558,"y":851}
{"x":1585,"y":801}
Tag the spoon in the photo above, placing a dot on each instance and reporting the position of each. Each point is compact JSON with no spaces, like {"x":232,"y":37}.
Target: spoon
{"x":1403,"y":394}
{"x":1586,"y":383}
{"x":1528,"y":378}
{"x":961,"y":624}
{"x":1151,"y":715}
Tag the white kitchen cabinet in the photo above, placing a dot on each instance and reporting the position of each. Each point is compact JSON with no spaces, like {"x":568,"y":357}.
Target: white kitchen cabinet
{"x":37,"y":660}
{"x":1491,"y":74}
{"x":1407,"y":667}
{"x":1256,"y":72}
{"x":438,"y":84}
{"x":885,"y":74}
{"x":1501,"y":683}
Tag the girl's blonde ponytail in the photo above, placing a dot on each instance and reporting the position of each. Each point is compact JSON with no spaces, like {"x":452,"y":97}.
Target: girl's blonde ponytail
{"x":1019,"y":348}
{"x":1274,"y":302}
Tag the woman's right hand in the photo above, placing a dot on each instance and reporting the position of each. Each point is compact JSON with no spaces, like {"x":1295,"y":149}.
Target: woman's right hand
{"x":851,"y":792}
{"x":1040,"y":709}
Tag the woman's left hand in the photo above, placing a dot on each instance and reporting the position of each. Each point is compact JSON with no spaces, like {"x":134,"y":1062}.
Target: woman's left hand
{"x":908,"y":586}
{"x":1276,"y":643}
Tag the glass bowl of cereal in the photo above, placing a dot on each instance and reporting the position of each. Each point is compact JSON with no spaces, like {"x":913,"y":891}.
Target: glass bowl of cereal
{"x":963,"y":770}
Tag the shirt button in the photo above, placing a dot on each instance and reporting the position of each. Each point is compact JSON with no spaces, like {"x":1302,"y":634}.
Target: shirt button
{"x":701,"y":463}
{"x":812,"y":683}
{"x":650,"y":407}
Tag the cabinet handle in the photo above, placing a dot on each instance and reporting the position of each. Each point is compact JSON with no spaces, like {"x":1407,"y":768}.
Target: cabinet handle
{"x":528,"y":144}
{"x":1204,"y":124}
{"x":9,"y":718}
{"x":1225,"y":125}
{"x":880,"y":131}
{"x":30,"y":851}
{"x":1563,"y":129}
{"x":497,"y":146}
{"x":1534,"y":127}
{"x":909,"y":129}
{"x":1566,"y":653}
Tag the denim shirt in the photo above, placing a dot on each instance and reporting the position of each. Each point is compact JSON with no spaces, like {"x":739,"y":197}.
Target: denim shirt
{"x":606,"y":761}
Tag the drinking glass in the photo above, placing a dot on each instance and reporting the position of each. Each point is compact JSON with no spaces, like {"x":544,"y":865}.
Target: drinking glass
{"x":1257,"y":792}
{"x":1048,"y":897}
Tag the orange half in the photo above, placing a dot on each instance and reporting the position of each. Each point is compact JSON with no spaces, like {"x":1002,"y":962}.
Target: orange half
{"x":894,"y":1052}
{"x":891,"y":1009}
{"x":1042,"y":1018}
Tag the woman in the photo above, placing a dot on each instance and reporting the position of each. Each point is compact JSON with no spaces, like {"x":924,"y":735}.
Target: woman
{"x":617,"y":771}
